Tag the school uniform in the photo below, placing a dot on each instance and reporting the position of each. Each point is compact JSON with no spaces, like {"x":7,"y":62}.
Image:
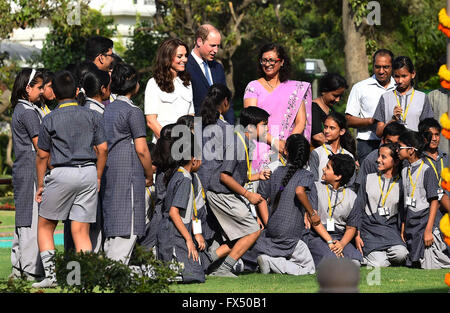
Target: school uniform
{"x":123,"y":191}
{"x":95,"y":230}
{"x":94,"y":105}
{"x":214,"y":142}
{"x":319,"y":159}
{"x":232,"y":210}
{"x":415,"y":105}
{"x":180,"y":194}
{"x":70,"y":189}
{"x":42,"y":110}
{"x":25,"y":251}
{"x":281,"y":241}
{"x":343,"y":214}
{"x":422,"y":176}
{"x":381,"y":211}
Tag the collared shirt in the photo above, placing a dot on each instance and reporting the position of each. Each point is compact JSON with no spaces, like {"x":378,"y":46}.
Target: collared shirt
{"x":363,"y":101}
{"x":318,"y":159}
{"x":95,"y":105}
{"x":234,"y":164}
{"x":69,"y":134}
{"x":200,"y":61}
{"x":426,"y":185}
{"x":416,"y":106}
{"x":344,"y":213}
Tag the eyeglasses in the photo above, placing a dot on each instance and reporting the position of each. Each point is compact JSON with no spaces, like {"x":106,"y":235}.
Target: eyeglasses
{"x":269,"y":61}
{"x":407,"y":148}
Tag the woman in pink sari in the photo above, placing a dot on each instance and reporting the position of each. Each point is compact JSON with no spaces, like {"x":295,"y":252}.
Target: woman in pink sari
{"x":287,"y":101}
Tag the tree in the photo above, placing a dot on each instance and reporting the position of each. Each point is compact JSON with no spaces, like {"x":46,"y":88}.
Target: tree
{"x":65,"y":43}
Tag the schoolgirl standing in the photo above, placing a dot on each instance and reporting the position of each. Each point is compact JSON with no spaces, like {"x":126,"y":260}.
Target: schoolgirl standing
{"x":128,"y":169}
{"x":404,"y":104}
{"x":182,"y":238}
{"x":25,"y":257}
{"x":419,"y":230}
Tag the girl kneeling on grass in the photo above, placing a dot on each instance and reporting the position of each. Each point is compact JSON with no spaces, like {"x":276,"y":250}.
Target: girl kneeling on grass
{"x":381,"y":210}
{"x":290,"y":191}
{"x":420,"y":230}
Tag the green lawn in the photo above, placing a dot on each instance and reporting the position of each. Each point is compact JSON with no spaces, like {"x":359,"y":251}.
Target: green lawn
{"x":391,"y":280}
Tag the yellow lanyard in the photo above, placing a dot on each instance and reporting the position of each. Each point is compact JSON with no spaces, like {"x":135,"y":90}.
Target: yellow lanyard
{"x":221,"y":117}
{"x":417,"y":176}
{"x":181,"y":170}
{"x":67,"y":104}
{"x":249,"y":169}
{"x":331,"y":209}
{"x":283,"y":161}
{"x":435,"y":170}
{"x":45,"y":109}
{"x":150,"y":196}
{"x":407,"y":106}
{"x":328,"y":152}
{"x":383,"y":200}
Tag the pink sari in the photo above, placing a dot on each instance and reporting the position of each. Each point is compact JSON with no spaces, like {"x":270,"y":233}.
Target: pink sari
{"x":282,"y":104}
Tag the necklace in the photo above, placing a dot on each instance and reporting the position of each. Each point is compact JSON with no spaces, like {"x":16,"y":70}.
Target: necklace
{"x":267,"y":82}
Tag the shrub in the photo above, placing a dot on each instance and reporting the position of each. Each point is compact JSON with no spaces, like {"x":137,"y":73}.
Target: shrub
{"x":84,"y":272}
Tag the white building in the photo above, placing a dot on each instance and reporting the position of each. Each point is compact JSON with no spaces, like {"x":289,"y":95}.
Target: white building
{"x":124,"y":13}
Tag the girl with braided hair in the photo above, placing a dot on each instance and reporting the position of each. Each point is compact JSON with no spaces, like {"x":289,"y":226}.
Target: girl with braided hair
{"x":288,"y":193}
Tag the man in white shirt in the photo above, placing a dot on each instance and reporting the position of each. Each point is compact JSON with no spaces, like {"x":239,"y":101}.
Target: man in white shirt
{"x":203,"y":69}
{"x":363,"y":101}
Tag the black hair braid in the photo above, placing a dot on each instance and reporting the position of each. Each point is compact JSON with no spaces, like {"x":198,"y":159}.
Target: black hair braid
{"x":298,"y":155}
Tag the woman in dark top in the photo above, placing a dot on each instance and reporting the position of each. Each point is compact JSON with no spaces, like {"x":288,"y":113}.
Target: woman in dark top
{"x":331,"y":88}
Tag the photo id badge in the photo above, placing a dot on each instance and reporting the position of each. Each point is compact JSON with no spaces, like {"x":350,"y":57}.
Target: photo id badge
{"x":249,"y":187}
{"x":197,"y":226}
{"x":411,"y":202}
{"x":330,"y":224}
{"x":440,"y":193}
{"x":383,"y":211}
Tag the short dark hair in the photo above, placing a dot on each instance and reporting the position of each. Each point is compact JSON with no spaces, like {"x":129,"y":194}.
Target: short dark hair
{"x":413,"y":139}
{"x":383,"y":52}
{"x":428,"y":123}
{"x":124,"y":79}
{"x":64,"y":85}
{"x":343,"y":165}
{"x":47,"y":75}
{"x":393,"y":129}
{"x":253,"y":116}
{"x":97,"y":45}
{"x":332,"y":82}
{"x":403,"y":61}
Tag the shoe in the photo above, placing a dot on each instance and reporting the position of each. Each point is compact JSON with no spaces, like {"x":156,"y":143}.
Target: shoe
{"x":264,"y":266}
{"x":222,"y":272}
{"x":45,"y":283}
{"x":238,"y":267}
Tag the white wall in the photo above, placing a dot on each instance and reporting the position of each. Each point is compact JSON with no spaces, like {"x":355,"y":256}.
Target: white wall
{"x":123,"y":11}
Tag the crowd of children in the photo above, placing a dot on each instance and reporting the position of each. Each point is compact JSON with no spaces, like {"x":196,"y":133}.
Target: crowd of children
{"x":192,"y":195}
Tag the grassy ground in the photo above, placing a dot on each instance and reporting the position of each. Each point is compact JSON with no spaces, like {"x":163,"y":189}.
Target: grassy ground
{"x":386,"y":280}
